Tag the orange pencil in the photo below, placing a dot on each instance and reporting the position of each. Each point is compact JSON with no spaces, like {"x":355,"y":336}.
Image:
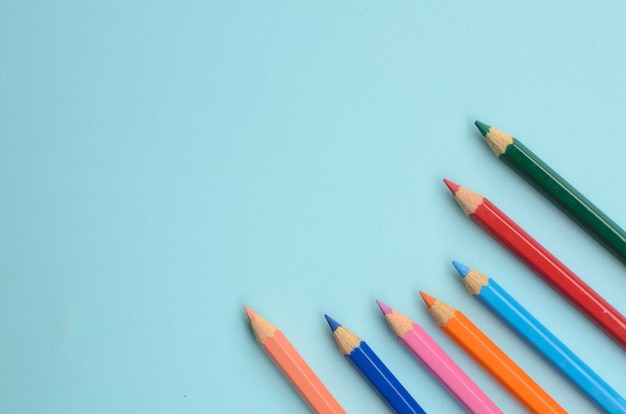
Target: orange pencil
{"x":293,"y":365}
{"x":491,"y":358}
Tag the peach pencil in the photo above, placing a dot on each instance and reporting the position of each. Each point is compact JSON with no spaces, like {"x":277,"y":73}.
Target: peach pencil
{"x":292,"y":365}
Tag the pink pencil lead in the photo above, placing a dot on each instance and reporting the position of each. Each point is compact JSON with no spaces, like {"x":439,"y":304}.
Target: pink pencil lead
{"x":384,"y":308}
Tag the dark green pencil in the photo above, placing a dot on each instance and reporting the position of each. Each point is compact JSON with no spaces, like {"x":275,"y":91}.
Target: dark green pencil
{"x":556,"y":189}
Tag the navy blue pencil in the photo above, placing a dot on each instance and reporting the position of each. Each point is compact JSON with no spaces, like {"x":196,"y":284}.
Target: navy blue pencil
{"x":373,"y":369}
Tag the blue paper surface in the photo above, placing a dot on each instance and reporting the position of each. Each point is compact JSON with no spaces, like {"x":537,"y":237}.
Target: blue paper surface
{"x":163,"y":164}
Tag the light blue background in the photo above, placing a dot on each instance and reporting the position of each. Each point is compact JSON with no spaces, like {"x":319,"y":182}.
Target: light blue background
{"x":163,"y":164}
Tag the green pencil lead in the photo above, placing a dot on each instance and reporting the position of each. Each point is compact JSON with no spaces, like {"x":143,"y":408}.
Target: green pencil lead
{"x":483,"y":128}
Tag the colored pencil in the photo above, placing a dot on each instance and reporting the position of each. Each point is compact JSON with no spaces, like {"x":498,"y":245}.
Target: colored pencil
{"x":373,"y":369}
{"x":523,"y":323}
{"x":293,"y":365}
{"x":556,"y":189}
{"x":491,"y":358}
{"x":497,"y":224}
{"x":426,"y":350}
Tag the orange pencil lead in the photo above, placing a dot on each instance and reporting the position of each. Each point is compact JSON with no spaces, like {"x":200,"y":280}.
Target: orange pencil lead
{"x":429,"y":300}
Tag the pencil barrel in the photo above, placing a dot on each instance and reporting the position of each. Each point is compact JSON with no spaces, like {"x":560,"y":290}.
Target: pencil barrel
{"x":383,"y":381}
{"x":569,"y":200}
{"x":300,"y":374}
{"x":500,"y":366}
{"x":425,"y":349}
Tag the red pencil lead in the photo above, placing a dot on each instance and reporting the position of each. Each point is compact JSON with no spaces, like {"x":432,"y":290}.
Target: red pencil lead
{"x":454,"y":187}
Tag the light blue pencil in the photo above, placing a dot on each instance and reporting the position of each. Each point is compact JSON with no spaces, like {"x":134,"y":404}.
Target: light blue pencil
{"x":497,"y":300}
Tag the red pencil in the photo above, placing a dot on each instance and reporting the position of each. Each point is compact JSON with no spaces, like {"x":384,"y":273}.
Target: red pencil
{"x":528,"y":250}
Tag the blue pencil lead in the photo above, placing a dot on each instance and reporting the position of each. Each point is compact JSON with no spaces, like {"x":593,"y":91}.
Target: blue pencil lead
{"x":461,"y":268}
{"x":332,"y":323}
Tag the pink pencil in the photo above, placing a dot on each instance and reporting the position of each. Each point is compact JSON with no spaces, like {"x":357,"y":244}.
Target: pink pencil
{"x":425,"y":349}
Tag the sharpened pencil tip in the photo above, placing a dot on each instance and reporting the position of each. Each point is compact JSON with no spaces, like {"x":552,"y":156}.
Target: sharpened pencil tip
{"x":384,"y":308}
{"x":452,"y":186}
{"x":461,"y":268}
{"x":332,"y":323}
{"x":249,"y":312}
{"x":429,"y":300}
{"x":482,"y":127}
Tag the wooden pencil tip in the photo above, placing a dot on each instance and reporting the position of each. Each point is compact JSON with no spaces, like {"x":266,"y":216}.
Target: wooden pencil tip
{"x":482,"y":127}
{"x":461,"y":268}
{"x":332,"y":323}
{"x":452,"y":186}
{"x":384,"y":308}
{"x":249,"y":312}
{"x":429,"y":300}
